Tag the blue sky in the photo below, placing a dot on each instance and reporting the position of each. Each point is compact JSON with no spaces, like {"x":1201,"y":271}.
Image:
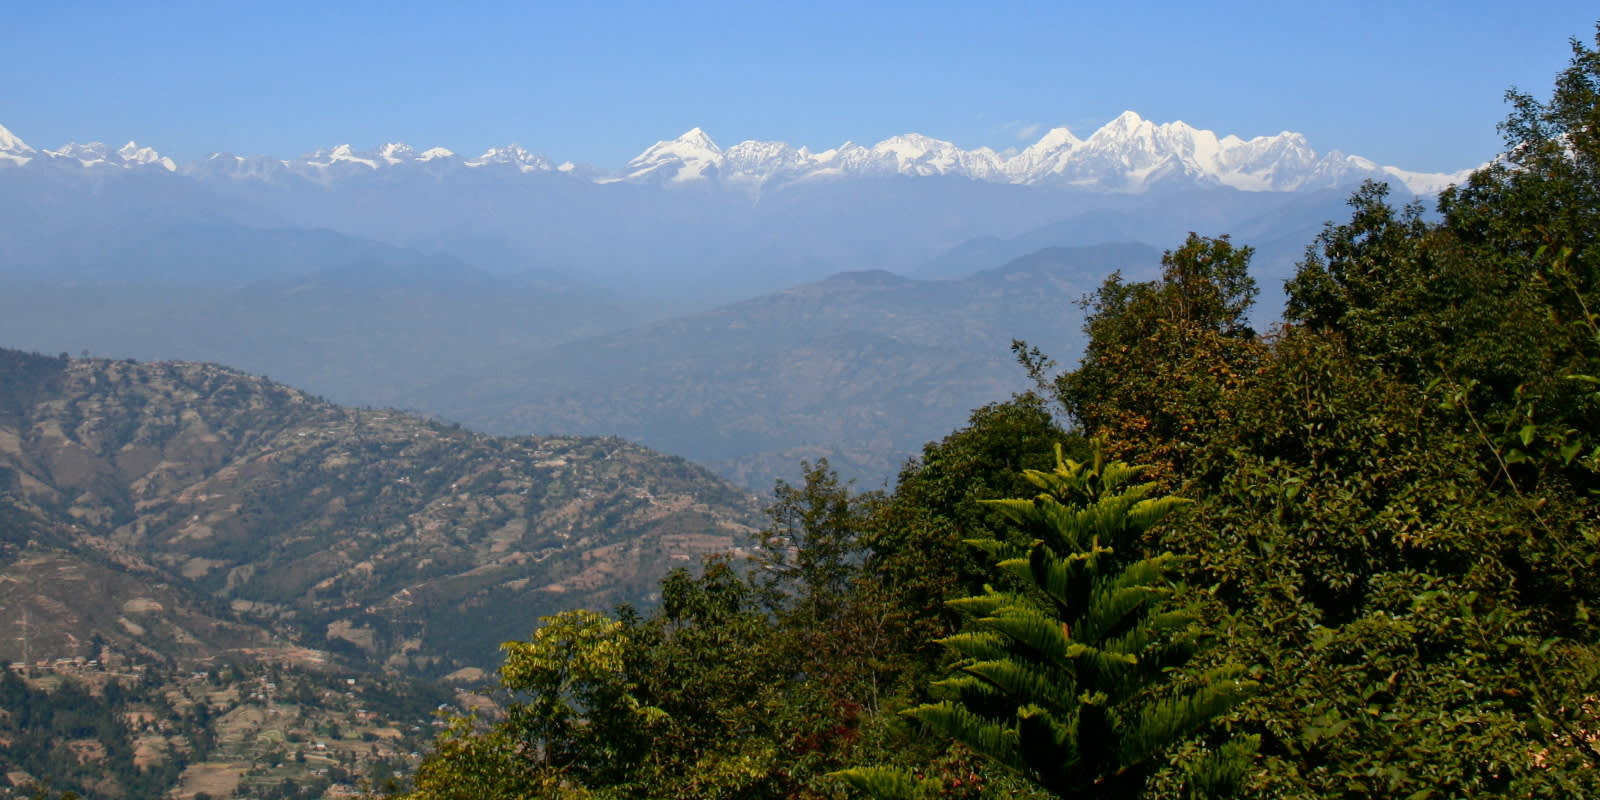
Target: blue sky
{"x":1413,"y":84}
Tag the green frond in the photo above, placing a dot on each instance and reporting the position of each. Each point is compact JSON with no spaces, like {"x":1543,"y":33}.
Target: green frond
{"x":1049,"y":688}
{"x":1043,"y":635}
{"x":1146,"y":513}
{"x":1017,"y":510}
{"x":1221,"y":772}
{"x":1061,"y":578}
{"x":888,"y":783}
{"x":985,"y":604}
{"x":996,"y":549}
{"x":1117,"y":609}
{"x":1047,"y":745}
{"x":1162,"y":722}
{"x":966,"y":687}
{"x":985,"y":737}
{"x":1102,"y":668}
{"x":1017,"y":568}
{"x":1147,"y":570}
{"x":1153,"y":639}
{"x":1115,"y":474}
{"x":977,"y":644}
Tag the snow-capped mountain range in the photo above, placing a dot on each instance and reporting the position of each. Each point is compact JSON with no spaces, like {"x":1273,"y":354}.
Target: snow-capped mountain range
{"x":1128,"y":155}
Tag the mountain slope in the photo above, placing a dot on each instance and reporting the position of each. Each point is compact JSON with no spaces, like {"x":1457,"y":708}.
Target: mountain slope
{"x":862,"y":368}
{"x":394,"y":540}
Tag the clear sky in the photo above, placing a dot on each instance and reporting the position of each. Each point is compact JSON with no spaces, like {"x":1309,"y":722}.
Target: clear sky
{"x":1412,"y":84}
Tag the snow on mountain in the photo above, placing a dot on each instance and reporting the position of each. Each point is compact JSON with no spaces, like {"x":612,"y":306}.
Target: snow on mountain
{"x":1133,"y":154}
{"x":1127,"y":154}
{"x":1044,"y":157}
{"x":753,"y":162}
{"x":1266,"y":163}
{"x":98,"y":155}
{"x":1130,"y":153}
{"x":694,"y":156}
{"x":131,"y":153}
{"x":396,"y":153}
{"x":511,"y":156}
{"x":13,"y":150}
{"x":689,"y":157}
{"x":227,"y":166}
{"x":88,"y":155}
{"x":340,"y":154}
{"x":916,"y":154}
{"x":1430,"y":182}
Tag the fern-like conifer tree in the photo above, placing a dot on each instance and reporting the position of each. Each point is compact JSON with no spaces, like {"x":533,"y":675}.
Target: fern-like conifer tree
{"x":1066,"y":675}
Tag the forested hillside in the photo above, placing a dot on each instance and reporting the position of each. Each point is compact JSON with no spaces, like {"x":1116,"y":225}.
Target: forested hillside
{"x":1359,"y":558}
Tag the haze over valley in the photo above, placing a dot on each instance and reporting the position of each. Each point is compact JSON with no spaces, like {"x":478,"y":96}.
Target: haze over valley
{"x":521,"y":295}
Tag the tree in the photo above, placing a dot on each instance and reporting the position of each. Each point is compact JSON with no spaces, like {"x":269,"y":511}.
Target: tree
{"x":811,"y":553}
{"x":568,"y":691}
{"x":1163,"y":356}
{"x":917,"y":557}
{"x":1072,"y":679}
{"x":711,"y":661}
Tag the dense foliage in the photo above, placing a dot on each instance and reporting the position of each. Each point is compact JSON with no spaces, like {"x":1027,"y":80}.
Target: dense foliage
{"x":1382,"y":581}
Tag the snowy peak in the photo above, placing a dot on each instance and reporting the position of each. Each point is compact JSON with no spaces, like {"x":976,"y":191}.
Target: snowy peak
{"x":96,"y":155}
{"x":697,"y":138}
{"x":512,"y":156}
{"x":1127,"y":125}
{"x":132,"y":153}
{"x":330,"y":164}
{"x":341,"y":154}
{"x":1429,"y":182}
{"x":755,"y":162}
{"x":915,"y":154}
{"x":689,"y":157}
{"x":13,"y":150}
{"x":396,"y":153}
{"x":1044,"y":157}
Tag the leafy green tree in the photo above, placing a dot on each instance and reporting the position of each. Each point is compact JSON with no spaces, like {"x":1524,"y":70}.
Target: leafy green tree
{"x":1164,"y":356}
{"x":571,"y":669}
{"x":732,"y":709}
{"x":810,"y":556}
{"x":568,"y":693}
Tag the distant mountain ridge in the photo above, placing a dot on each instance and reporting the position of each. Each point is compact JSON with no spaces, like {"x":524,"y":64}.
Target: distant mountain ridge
{"x":1128,"y":154}
{"x":862,"y":367}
